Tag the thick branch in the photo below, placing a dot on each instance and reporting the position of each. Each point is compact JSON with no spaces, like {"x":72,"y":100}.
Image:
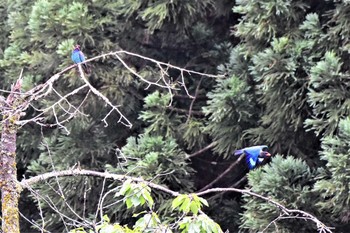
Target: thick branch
{"x":25,"y":183}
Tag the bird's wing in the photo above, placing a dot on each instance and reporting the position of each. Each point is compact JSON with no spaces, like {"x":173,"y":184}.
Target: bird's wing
{"x":252,"y":149}
{"x":76,"y":57}
{"x":252,"y":154}
{"x":251,"y":159}
{"x":256,"y":148}
{"x":73,"y":57}
{"x":81,"y":56}
{"x":251,"y":163}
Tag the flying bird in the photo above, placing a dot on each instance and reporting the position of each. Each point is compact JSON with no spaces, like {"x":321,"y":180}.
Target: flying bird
{"x":78,"y":57}
{"x":255,"y":155}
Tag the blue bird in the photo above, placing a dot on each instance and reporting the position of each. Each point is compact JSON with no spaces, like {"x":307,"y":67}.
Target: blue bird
{"x":78,"y":57}
{"x":255,"y":155}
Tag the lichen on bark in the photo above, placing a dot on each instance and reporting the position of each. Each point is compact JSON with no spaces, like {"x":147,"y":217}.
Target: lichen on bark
{"x":8,"y":172}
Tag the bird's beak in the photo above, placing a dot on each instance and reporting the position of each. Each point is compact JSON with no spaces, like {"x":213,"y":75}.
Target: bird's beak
{"x":268,"y":154}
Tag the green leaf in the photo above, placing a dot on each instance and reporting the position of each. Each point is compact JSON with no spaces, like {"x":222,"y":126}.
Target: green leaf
{"x":78,"y":230}
{"x":125,"y":188}
{"x":203,"y":201}
{"x":135,"y":200}
{"x":137,"y":214}
{"x":185,"y":206}
{"x":146,"y":194}
{"x":194,"y":227}
{"x":194,"y":208}
{"x":106,"y":218}
{"x":128,"y":203}
{"x":178,"y":201}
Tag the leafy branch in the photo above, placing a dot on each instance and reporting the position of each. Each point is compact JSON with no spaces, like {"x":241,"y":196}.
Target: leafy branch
{"x":182,"y":201}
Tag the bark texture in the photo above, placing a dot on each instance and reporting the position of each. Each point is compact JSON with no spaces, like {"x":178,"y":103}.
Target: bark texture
{"x":8,"y":172}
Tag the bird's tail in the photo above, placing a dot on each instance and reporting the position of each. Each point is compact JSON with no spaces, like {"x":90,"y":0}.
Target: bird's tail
{"x":239,"y":152}
{"x":86,"y":68}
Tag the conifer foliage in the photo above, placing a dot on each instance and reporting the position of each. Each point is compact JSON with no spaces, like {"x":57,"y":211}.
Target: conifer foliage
{"x":334,"y":184}
{"x":284,"y":82}
{"x":286,"y":179}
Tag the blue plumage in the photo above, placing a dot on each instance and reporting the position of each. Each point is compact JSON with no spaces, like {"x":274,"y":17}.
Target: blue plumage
{"x":254,"y":155}
{"x":78,"y":57}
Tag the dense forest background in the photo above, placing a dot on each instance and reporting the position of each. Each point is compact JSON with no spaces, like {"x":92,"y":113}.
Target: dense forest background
{"x":285,"y":82}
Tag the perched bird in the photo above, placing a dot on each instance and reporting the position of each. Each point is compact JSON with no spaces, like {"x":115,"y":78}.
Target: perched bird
{"x":255,"y":155}
{"x":78,"y":57}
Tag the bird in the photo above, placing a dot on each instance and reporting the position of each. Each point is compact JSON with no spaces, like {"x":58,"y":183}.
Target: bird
{"x":78,"y":57}
{"x":255,"y":155}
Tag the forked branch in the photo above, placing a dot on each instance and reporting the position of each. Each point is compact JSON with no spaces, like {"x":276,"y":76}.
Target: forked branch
{"x":286,"y":212}
{"x":43,"y":90}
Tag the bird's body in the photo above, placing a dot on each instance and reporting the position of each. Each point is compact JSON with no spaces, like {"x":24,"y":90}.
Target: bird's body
{"x":78,"y":57}
{"x":255,"y":155}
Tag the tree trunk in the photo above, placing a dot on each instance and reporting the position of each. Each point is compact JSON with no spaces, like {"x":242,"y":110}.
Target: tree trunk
{"x":8,"y":172}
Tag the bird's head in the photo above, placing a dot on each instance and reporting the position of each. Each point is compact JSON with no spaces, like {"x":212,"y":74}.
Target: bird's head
{"x":264,"y":152}
{"x":77,"y":47}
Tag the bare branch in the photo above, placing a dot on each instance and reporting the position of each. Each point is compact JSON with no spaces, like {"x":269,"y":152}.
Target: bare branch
{"x":194,"y":99}
{"x":43,"y":90}
{"x":27,"y":183}
{"x":122,"y":118}
{"x":321,"y":227}
{"x":211,"y":145}
{"x":74,"y":172}
{"x":179,"y":96}
{"x":223,"y":174}
{"x":185,"y":111}
{"x":39,"y":117}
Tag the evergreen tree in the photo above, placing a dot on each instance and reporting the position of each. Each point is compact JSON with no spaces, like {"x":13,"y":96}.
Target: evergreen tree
{"x":152,"y":158}
{"x":329,"y":94}
{"x":288,"y":181}
{"x":333,"y":184}
{"x":231,"y":110}
{"x":298,"y":62}
{"x":42,"y":34}
{"x":285,"y":85}
{"x":277,"y":57}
